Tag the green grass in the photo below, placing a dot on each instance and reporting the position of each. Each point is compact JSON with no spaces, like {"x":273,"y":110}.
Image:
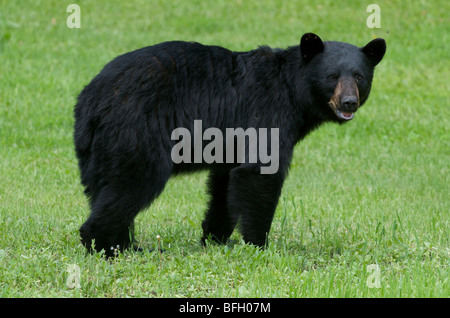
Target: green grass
{"x":374,"y":191}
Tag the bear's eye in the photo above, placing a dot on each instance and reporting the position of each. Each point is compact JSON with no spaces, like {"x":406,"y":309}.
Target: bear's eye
{"x":333,"y":76}
{"x":358,"y":77}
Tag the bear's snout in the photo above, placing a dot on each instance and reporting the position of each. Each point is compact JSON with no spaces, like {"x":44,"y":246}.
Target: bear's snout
{"x":349,"y":104}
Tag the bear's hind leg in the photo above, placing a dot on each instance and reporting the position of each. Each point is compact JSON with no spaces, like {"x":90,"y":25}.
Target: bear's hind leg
{"x":110,"y":224}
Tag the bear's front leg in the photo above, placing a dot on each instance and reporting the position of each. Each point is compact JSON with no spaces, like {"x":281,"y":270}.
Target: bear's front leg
{"x":218,"y":223}
{"x":253,"y":198}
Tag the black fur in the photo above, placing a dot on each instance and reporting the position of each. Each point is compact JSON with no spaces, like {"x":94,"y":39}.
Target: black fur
{"x":125,"y":116}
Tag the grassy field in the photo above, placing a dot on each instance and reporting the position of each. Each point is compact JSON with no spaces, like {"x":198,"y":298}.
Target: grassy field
{"x":372,"y":192}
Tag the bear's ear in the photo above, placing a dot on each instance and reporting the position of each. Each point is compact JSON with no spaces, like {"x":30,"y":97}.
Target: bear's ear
{"x":375,"y":50}
{"x":310,"y":46}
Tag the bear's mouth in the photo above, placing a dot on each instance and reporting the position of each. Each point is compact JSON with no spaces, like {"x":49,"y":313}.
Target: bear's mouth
{"x":344,"y":115}
{"x":341,"y":114}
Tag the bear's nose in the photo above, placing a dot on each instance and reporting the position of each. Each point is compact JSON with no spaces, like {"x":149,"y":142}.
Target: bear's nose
{"x":349,"y":104}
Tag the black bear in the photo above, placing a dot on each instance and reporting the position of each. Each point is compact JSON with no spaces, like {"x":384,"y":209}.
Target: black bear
{"x":165,"y":109}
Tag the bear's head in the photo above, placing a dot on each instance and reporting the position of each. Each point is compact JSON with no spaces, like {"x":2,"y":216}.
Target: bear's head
{"x":340,"y":74}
